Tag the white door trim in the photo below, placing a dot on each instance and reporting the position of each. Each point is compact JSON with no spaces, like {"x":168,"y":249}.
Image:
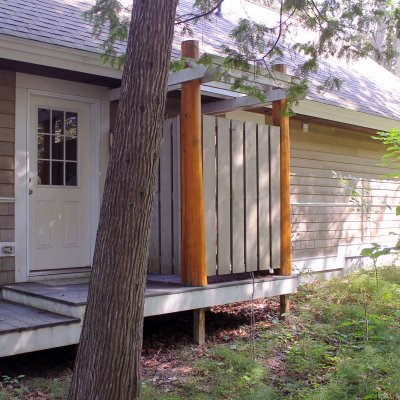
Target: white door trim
{"x":22,"y":126}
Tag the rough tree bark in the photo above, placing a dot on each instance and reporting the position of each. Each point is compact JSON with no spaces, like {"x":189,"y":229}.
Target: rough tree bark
{"x":108,"y":360}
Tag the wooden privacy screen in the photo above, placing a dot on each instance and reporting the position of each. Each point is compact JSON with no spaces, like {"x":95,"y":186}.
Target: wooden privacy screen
{"x":165,"y":237}
{"x":241,"y":191}
{"x":241,"y":198}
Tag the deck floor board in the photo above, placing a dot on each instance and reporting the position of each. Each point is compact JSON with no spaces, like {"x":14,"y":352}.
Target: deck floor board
{"x":17,"y":317}
{"x":75,"y":294}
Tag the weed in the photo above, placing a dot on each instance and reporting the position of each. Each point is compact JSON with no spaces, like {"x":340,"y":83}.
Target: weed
{"x":12,"y":380}
{"x":310,"y":356}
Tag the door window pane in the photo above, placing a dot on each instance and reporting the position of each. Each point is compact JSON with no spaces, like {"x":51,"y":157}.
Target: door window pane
{"x":71,"y":174}
{"x":57,"y":122}
{"x":43,"y":177}
{"x":43,"y":120}
{"x":57,"y":147}
{"x":57,"y":173}
{"x":71,"y":149}
{"x":43,"y":144}
{"x":71,"y":124}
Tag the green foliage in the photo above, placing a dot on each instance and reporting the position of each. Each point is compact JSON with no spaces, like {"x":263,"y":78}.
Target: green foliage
{"x":360,"y":196}
{"x":205,"y":59}
{"x":310,"y":356}
{"x":20,"y":387}
{"x":357,"y":370}
{"x":111,"y":18}
{"x":12,"y":380}
{"x":204,"y":6}
{"x":178,"y":65}
{"x":377,"y":250}
{"x":319,"y":353}
{"x":232,"y":374}
{"x":343,"y":29}
{"x":148,"y":392}
{"x":391,"y":140}
{"x":323,"y":350}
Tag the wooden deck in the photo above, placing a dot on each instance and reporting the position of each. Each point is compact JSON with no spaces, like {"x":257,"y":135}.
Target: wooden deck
{"x":36,"y":316}
{"x":16,"y":317}
{"x":24,"y":329}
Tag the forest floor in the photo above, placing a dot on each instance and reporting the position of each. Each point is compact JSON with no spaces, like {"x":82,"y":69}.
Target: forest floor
{"x":340,"y":342}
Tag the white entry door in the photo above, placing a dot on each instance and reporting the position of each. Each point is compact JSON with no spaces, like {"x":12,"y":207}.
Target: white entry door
{"x":59,"y":185}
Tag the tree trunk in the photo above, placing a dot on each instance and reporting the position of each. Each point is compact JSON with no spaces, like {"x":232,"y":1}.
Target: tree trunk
{"x":108,"y":360}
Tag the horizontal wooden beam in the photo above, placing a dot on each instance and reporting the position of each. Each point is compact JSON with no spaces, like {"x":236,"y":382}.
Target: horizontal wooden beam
{"x":264,"y":76}
{"x":161,"y":301}
{"x":175,"y":79}
{"x":242,"y":103}
{"x":198,"y":72}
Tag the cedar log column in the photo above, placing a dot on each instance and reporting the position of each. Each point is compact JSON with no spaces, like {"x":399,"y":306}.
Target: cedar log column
{"x":193,"y":244}
{"x":281,"y":119}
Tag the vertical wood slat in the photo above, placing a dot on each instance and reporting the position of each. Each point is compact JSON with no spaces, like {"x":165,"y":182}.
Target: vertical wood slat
{"x":263,"y":197}
{"x":275,"y":196}
{"x":251,"y":196}
{"x":238,"y":264}
{"x":223,"y":188}
{"x":164,"y":245}
{"x":231,"y":222}
{"x":166,"y":261}
{"x":209,"y":179}
{"x":154,"y":244}
{"x":176,"y":195}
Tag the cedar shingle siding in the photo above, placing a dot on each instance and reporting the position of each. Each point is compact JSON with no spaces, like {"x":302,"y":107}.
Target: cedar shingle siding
{"x":325,"y":217}
{"x":7,"y":139}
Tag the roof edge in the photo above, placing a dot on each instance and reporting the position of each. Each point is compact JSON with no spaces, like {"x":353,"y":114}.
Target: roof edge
{"x":51,"y":55}
{"x":333,"y":113}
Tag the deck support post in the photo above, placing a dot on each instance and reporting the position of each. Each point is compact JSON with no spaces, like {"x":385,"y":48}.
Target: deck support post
{"x":193,"y":243}
{"x":280,"y":118}
{"x":199,"y":326}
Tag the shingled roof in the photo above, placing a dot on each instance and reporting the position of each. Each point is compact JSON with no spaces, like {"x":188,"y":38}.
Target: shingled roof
{"x":57,"y":22}
{"x":367,"y":87}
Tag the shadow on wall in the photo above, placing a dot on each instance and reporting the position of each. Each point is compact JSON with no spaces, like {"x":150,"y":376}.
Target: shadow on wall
{"x":350,"y":212}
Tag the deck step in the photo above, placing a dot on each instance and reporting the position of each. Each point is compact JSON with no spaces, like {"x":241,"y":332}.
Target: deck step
{"x":24,"y":329}
{"x":69,"y":300}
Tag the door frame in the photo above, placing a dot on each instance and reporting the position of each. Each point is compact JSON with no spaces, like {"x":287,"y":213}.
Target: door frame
{"x":22,"y":148}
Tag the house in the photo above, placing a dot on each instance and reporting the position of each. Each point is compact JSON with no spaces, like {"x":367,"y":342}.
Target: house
{"x":57,"y":107}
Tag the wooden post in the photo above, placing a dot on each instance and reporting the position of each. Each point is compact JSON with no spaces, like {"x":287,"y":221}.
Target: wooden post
{"x":280,"y":119}
{"x":193,"y":246}
{"x":199,"y":326}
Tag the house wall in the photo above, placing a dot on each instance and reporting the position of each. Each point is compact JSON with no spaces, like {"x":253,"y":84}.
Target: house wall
{"x":7,"y":139}
{"x":330,"y":226}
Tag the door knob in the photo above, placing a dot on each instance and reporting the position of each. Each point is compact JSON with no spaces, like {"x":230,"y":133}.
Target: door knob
{"x":30,"y":191}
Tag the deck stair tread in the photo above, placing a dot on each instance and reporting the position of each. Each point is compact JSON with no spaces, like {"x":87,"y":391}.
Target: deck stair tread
{"x":73,"y":294}
{"x":15,"y":317}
